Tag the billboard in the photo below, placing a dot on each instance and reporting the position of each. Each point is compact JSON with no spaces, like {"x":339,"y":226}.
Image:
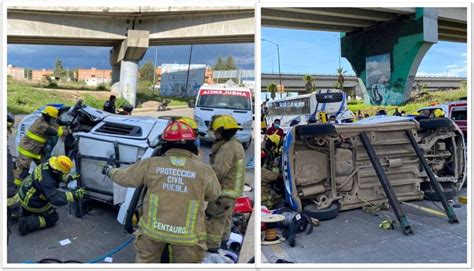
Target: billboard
{"x":173,"y":79}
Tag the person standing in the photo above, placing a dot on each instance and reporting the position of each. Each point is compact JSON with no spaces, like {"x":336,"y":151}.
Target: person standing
{"x":109,"y":106}
{"x":32,"y":145}
{"x":178,"y":185}
{"x":227,"y":160}
{"x":396,"y":113}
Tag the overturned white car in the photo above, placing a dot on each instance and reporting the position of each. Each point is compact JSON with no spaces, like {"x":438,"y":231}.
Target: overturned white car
{"x":100,"y":138}
{"x":327,"y":168}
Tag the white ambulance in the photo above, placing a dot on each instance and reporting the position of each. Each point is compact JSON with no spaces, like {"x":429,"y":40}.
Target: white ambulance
{"x":224,"y":100}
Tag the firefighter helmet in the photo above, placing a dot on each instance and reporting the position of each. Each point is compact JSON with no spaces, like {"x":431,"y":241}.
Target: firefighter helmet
{"x":224,"y":122}
{"x":438,"y":113}
{"x":61,"y":163}
{"x":178,"y":131}
{"x":189,"y":121}
{"x":51,"y":111}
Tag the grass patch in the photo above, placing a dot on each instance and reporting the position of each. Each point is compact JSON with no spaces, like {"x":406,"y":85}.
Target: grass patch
{"x":26,"y":97}
{"x":418,"y":100}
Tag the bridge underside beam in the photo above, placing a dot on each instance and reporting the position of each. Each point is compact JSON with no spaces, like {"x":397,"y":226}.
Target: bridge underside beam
{"x":197,"y":27}
{"x":386,"y":57}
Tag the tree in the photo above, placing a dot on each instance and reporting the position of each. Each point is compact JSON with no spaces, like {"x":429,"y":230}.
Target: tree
{"x":219,"y":65}
{"x":272,"y":87}
{"x":308,"y":86}
{"x":59,"y":70}
{"x":230,"y":64}
{"x":147,"y":71}
{"x":340,"y":78}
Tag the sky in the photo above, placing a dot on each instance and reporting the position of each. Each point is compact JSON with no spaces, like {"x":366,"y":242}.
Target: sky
{"x":317,"y":52}
{"x":44,"y":56}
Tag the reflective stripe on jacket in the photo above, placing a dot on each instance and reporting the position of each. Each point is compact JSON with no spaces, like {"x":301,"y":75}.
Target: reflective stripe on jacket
{"x":178,"y":184}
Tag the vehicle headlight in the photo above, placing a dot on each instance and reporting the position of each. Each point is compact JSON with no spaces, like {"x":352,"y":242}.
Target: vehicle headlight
{"x":247,"y":125}
{"x":199,"y":121}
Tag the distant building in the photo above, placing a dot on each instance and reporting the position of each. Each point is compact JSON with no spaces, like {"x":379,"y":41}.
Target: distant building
{"x":207,"y":74}
{"x":16,"y":72}
{"x":38,"y":75}
{"x":175,"y":80}
{"x":93,"y":76}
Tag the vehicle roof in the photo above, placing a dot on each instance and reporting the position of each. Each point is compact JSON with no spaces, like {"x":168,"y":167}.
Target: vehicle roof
{"x":150,"y":126}
{"x":224,"y":87}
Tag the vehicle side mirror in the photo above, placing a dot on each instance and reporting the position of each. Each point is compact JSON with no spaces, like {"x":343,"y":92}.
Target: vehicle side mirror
{"x":191,"y":103}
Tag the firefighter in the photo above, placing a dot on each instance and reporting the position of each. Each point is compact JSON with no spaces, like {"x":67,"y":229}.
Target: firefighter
{"x":32,"y":145}
{"x":227,"y":159}
{"x":39,"y":193}
{"x":178,"y":184}
{"x":12,"y":202}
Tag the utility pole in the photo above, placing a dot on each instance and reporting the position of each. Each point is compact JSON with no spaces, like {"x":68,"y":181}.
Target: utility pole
{"x":154,"y":71}
{"x":189,"y":67}
{"x":279,"y":66}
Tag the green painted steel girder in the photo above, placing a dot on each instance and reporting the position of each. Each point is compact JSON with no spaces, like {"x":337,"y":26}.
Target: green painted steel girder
{"x":386,"y":57}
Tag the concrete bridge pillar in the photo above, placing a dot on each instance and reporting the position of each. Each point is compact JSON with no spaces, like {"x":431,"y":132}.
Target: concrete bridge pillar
{"x":386,"y":57}
{"x":124,"y":59}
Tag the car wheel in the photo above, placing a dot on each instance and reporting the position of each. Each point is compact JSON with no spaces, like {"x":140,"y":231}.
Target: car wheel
{"x":449,"y":193}
{"x":315,"y":129}
{"x":436,"y":123}
{"x":322,"y":214}
{"x":247,"y":144}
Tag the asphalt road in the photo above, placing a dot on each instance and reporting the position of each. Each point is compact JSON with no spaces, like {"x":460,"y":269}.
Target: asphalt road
{"x":93,"y":236}
{"x":354,"y":237}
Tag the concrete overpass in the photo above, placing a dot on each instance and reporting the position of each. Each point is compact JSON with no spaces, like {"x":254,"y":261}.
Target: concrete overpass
{"x":295,"y":82}
{"x":385,"y":46}
{"x":452,"y":22}
{"x":129,"y":31}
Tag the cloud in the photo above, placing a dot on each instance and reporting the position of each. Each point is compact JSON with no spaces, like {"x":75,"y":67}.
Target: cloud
{"x":451,"y":66}
{"x":463,"y":54}
{"x":44,"y":56}
{"x":459,"y":72}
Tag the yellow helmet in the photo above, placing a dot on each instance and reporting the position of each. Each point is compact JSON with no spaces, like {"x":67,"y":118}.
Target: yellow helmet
{"x":225,"y":122}
{"x":415,"y":113}
{"x":51,"y":111}
{"x":189,"y":121}
{"x":275,"y":138}
{"x":61,"y":163}
{"x":438,"y":113}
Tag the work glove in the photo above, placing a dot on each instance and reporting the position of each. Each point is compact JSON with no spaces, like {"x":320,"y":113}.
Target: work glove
{"x":106,"y":169}
{"x":73,"y":177}
{"x":79,"y":193}
{"x":64,"y":131}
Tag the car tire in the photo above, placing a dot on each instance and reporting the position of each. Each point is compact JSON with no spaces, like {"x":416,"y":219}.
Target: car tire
{"x":436,"y":123}
{"x":449,"y":193}
{"x":328,"y":213}
{"x":247,"y":144}
{"x":316,"y":129}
